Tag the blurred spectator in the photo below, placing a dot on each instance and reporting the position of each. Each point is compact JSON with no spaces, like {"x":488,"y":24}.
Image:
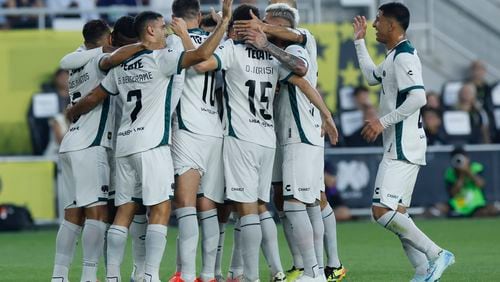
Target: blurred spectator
{"x":341,"y":211}
{"x":3,"y":19}
{"x":113,"y":16}
{"x":466,"y":186}
{"x":361,"y":96}
{"x":433,"y":126}
{"x":83,"y":4}
{"x":477,"y":76}
{"x":467,"y":102}
{"x":23,"y":21}
{"x":355,"y":139}
{"x":163,"y":7}
{"x":433,"y":101}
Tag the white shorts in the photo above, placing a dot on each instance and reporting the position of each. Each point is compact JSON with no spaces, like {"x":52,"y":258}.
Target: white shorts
{"x":248,"y":169}
{"x":204,"y":154}
{"x":85,"y":177}
{"x":146,"y":177}
{"x":277,"y":167}
{"x":303,"y":176}
{"x":394,"y":183}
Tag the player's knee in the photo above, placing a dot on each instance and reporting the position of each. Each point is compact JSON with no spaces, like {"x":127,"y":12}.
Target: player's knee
{"x":378,"y":212}
{"x":160,"y":213}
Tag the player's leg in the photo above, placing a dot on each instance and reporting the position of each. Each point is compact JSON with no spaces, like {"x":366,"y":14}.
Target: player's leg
{"x":93,"y":235}
{"x":314,"y":213}
{"x":137,"y":231}
{"x":235,"y":272}
{"x":223,"y":212}
{"x":269,"y":243}
{"x":250,"y":238}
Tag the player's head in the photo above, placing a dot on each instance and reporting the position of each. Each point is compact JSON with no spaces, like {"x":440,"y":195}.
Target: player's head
{"x":187,"y":9}
{"x":124,"y":32}
{"x":392,"y":20}
{"x":150,"y":26}
{"x":96,"y":34}
{"x":282,"y":14}
{"x":291,"y":3}
{"x":242,"y":13}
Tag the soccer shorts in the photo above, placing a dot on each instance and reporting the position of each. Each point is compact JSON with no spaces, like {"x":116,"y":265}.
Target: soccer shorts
{"x":394,"y":183}
{"x":277,"y":167}
{"x":303,"y":172}
{"x":248,"y":169}
{"x":145,"y":177}
{"x":85,"y":177}
{"x":204,"y":154}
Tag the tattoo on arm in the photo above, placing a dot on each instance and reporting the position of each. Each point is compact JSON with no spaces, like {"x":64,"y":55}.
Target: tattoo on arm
{"x":292,"y":62}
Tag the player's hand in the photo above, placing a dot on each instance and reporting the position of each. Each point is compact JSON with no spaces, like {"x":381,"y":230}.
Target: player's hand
{"x":243,"y":25}
{"x":359,"y":25}
{"x":328,"y":127}
{"x":217,"y":17}
{"x":255,"y":37}
{"x":179,"y":26}
{"x":227,"y":10}
{"x":372,"y":129}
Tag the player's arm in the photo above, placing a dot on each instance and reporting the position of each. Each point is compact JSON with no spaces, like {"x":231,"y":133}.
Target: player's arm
{"x":259,"y":39}
{"x":366,"y":63}
{"x":119,"y":55}
{"x":79,"y":58}
{"x":180,"y":29}
{"x":328,"y":125}
{"x":204,"y":51}
{"x":87,"y":103}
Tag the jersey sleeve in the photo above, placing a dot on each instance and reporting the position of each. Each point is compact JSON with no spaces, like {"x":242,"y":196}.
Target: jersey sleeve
{"x":408,"y":71}
{"x":225,"y":55}
{"x":174,"y":42}
{"x":300,"y":52}
{"x":169,"y":61}
{"x":109,"y":85}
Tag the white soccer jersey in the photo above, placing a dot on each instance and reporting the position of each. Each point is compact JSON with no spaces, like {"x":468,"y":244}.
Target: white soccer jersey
{"x":310,"y":46}
{"x":401,"y":72}
{"x":197,"y":110}
{"x":297,"y":120}
{"x":250,"y":78}
{"x":94,"y":128}
{"x":143,"y":83}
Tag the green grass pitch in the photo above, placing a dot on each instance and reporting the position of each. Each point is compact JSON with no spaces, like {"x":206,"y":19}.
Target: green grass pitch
{"x":368,"y":251}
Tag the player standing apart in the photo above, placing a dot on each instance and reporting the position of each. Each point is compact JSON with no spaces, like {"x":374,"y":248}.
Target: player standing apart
{"x":404,"y":139}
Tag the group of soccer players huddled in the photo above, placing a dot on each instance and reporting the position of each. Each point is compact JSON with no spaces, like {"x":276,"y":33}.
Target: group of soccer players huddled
{"x":150,"y":135}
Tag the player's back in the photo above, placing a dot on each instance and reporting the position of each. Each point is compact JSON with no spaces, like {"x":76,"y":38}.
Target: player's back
{"x":95,"y":127}
{"x":144,"y":85}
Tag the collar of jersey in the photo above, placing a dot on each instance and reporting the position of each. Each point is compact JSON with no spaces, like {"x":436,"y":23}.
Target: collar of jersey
{"x":137,"y":55}
{"x":394,"y":48}
{"x":197,"y":31}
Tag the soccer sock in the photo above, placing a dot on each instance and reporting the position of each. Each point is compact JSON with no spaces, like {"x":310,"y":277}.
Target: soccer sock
{"x":210,"y":239}
{"x":251,"y":236}
{"x":287,"y":228}
{"x":270,"y":242}
{"x":236,"y":266}
{"x":92,"y":245}
{"x":156,"y":239}
{"x":65,"y":249}
{"x":138,"y":233}
{"x":188,"y":241}
{"x":416,"y":257}
{"x":301,"y":226}
{"x":318,"y":232}
{"x":409,"y":233}
{"x":178,"y":262}
{"x":220,"y":248}
{"x":117,"y":239}
{"x":330,"y":238}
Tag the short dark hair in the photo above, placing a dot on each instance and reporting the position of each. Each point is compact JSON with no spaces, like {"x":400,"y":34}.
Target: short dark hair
{"x":397,"y":11}
{"x":208,"y":21}
{"x":124,"y":32}
{"x":94,"y":30}
{"x":186,"y":9}
{"x":359,"y":89}
{"x":242,"y":13}
{"x":142,"y":19}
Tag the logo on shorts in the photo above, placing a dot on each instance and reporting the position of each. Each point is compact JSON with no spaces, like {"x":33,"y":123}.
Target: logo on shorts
{"x":304,"y":189}
{"x":239,"y":189}
{"x":105,"y":188}
{"x":392,"y":196}
{"x":377,"y":191}
{"x":288,"y":188}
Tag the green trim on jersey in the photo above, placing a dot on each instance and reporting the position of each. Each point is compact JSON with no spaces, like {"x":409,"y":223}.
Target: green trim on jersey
{"x":198,"y":31}
{"x":230,"y":129}
{"x":102,"y":122}
{"x":399,"y":126}
{"x":239,"y":42}
{"x":107,"y":91}
{"x":379,"y":79}
{"x":179,"y":63}
{"x":179,"y":117}
{"x":404,"y":47}
{"x":168,"y":100}
{"x":292,"y":93}
{"x":285,"y":80}
{"x":137,"y":55}
{"x":219,"y":62}
{"x":304,"y":42}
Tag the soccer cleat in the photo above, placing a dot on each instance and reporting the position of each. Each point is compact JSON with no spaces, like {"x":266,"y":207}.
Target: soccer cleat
{"x":176,"y":277}
{"x":438,"y":266}
{"x":418,"y":278}
{"x":219,"y":278}
{"x":279,"y":277}
{"x":293,"y":273}
{"x":335,"y":273}
{"x":232,"y":278}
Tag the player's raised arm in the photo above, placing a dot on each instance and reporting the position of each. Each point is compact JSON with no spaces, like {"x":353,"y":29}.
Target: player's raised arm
{"x":78,"y":58}
{"x":180,"y":29}
{"x":328,"y":125}
{"x":86,"y":104}
{"x":205,"y":50}
{"x":259,"y":40}
{"x":119,"y":55}
{"x":365,"y":61}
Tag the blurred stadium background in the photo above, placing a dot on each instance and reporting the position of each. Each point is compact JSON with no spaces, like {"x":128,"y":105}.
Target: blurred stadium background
{"x":457,"y":41}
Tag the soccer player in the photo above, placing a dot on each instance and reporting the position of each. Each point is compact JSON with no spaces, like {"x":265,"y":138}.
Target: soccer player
{"x":143,"y":84}
{"x":196,"y":151}
{"x":84,"y":161}
{"x":404,"y":139}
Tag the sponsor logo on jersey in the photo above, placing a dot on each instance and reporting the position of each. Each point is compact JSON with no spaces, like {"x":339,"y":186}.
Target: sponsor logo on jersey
{"x":258,"y":54}
{"x":132,"y":66}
